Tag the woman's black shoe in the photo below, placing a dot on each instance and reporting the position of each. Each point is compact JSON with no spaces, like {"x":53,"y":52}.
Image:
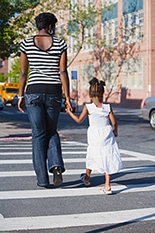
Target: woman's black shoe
{"x":57,"y":176}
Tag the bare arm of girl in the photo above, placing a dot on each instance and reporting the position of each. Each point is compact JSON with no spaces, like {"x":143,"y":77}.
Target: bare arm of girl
{"x":24,"y":64}
{"x":64,"y":78}
{"x":80,"y":118}
{"x":114,"y":123}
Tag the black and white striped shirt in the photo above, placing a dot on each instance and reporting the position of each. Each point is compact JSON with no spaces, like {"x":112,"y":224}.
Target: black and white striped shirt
{"x":44,"y":64}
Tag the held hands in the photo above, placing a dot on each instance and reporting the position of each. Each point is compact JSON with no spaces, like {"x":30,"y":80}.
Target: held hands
{"x":21,"y":105}
{"x":68,"y":106}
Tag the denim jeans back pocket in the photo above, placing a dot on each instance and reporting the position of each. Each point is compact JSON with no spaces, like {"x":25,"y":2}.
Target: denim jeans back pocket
{"x":31,"y":100}
{"x":55,"y":102}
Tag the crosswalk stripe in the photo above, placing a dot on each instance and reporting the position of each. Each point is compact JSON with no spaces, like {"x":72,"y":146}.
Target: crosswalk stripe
{"x":30,"y":153}
{"x":73,"y":220}
{"x":76,"y":171}
{"x":69,"y":192}
{"x":140,"y":156}
{"x":76,"y":220}
{"x":30,"y":148}
{"x":72,"y":160}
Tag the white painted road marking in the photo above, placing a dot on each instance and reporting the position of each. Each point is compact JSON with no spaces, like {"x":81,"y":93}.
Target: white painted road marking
{"x":69,"y":192}
{"x":140,"y":156}
{"x":76,"y":220}
{"x":72,"y":160}
{"x":76,"y":171}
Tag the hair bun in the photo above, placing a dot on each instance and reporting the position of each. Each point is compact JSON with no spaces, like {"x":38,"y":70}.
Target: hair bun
{"x":102,"y":83}
{"x":93,"y":81}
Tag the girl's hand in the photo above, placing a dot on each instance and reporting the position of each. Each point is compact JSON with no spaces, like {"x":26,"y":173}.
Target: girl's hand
{"x":115,"y":133}
{"x":67,"y":109}
{"x":68,"y":104}
{"x":21,"y":105}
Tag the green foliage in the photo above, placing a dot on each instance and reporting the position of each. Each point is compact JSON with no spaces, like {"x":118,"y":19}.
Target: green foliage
{"x":16,"y":22}
{"x":2,"y":78}
{"x":15,"y":70}
{"x":13,"y":19}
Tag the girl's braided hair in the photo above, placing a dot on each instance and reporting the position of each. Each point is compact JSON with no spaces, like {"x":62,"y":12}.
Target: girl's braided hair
{"x":96,"y":88}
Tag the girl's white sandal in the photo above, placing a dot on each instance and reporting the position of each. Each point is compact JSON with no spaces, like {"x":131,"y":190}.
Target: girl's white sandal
{"x":108,"y":192}
{"x":82,"y":177}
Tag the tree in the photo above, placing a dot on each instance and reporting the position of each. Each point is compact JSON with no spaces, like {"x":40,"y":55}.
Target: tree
{"x":81,"y":18}
{"x":13,"y":18}
{"x":15,"y":71}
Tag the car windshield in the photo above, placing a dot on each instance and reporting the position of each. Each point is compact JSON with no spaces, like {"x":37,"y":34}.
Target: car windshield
{"x":12,"y":90}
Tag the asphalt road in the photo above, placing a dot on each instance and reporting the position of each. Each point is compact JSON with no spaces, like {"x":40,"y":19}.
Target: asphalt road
{"x":71,"y":207}
{"x":134,"y":133}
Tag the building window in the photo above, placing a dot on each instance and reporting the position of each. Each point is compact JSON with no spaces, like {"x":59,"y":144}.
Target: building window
{"x":132,"y":21}
{"x":1,"y":64}
{"x":87,"y":73}
{"x":109,"y":25}
{"x":109,"y":73}
{"x":89,"y":34}
{"x":132,"y":73}
{"x":72,"y":27}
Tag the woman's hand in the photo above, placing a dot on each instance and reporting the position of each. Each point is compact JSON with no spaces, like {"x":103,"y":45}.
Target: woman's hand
{"x":68,"y":104}
{"x":21,"y":105}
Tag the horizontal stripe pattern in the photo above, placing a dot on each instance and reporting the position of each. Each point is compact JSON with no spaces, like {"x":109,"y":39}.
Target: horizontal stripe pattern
{"x":76,"y":220}
{"x":84,"y":218}
{"x":44,"y":65}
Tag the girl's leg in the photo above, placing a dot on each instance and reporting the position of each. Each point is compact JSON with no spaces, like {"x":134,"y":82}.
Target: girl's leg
{"x":107,"y":182}
{"x":87,"y":178}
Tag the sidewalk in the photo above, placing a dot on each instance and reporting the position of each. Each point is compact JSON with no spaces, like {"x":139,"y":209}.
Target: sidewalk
{"x":11,"y":128}
{"x":19,"y":129}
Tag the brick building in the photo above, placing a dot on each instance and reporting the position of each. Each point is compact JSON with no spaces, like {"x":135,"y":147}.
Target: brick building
{"x":128,"y":69}
{"x":3,"y":66}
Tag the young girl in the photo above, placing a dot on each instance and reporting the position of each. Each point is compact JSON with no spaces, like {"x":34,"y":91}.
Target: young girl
{"x":102,"y":152}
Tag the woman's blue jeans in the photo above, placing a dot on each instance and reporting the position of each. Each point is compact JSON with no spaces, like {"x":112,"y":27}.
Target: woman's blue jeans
{"x":43,"y":112}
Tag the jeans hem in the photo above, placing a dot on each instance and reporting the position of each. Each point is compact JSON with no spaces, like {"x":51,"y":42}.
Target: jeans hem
{"x":57,"y":165}
{"x":42,"y":185}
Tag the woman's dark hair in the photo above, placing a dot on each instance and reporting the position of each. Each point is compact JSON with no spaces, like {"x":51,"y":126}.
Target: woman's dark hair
{"x":45,"y":19}
{"x":96,"y":88}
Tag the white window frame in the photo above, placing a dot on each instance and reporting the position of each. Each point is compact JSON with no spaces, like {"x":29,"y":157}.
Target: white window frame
{"x":71,"y":39}
{"x":135,"y":30}
{"x":132,"y":74}
{"x":88,"y":47}
{"x":109,"y":29}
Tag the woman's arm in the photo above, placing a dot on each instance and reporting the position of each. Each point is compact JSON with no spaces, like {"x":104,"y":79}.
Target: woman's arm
{"x":114,"y":123}
{"x":24,"y":64}
{"x":64,"y":78}
{"x":81,"y":117}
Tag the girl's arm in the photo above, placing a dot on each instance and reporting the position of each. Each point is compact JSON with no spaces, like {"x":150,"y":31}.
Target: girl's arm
{"x":81,"y":117}
{"x":24,"y":64}
{"x":64,"y":78}
{"x":114,"y":123}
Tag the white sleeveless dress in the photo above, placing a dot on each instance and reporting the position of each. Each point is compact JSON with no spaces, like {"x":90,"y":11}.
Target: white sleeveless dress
{"x":102,"y":152}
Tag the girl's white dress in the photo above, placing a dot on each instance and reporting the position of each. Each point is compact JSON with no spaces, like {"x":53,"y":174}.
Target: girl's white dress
{"x":102,"y":152}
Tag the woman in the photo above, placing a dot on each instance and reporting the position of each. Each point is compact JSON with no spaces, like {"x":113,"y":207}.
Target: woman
{"x":47,"y":57}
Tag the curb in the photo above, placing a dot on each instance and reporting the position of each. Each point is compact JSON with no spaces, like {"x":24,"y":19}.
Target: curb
{"x":28,"y":137}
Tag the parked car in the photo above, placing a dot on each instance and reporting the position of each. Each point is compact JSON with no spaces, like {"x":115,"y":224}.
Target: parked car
{"x":15,"y":101}
{"x":1,"y":104}
{"x":148,"y":111}
{"x":63,"y":105}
